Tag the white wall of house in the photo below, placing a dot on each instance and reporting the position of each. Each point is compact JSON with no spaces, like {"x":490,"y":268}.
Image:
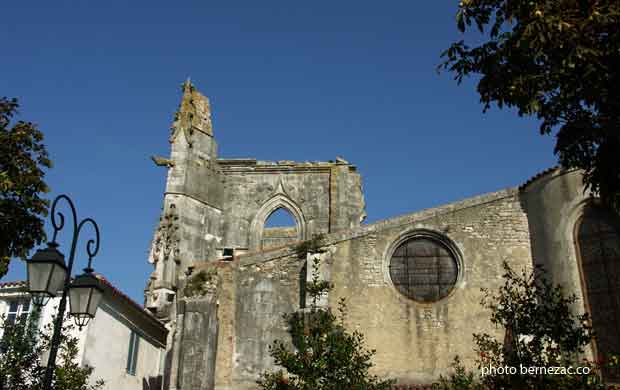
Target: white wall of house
{"x":107,"y":350}
{"x":104,"y":342}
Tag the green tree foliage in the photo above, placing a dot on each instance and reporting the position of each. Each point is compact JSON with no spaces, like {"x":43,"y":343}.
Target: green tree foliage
{"x":313,"y":245}
{"x":558,"y":60}
{"x":541,"y":330}
{"x":23,"y":158}
{"x":323,"y":355}
{"x":459,"y":379}
{"x":20,"y":354}
{"x":21,"y":348}
{"x":197,"y":285}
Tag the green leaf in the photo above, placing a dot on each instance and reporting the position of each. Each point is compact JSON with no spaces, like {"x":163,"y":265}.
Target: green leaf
{"x":566,"y":77}
{"x":23,"y":158}
{"x":459,"y":20}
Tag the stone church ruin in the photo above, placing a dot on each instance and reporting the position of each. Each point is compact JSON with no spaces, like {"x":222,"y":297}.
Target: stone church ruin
{"x":412,"y":282}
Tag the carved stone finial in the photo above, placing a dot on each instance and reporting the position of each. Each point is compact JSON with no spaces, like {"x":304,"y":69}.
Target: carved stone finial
{"x":187,"y":85}
{"x":194,"y":114}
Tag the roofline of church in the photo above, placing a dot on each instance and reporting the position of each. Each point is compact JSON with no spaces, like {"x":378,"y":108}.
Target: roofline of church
{"x":418,"y":216}
{"x":555,"y":170}
{"x":239,"y":164}
{"x":270,"y":254}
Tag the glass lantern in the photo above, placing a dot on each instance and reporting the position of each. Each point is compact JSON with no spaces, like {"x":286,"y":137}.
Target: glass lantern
{"x":47,"y":273}
{"x":85,"y":293}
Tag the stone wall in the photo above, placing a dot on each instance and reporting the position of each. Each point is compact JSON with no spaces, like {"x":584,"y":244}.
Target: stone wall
{"x":278,"y":236}
{"x":214,"y":205}
{"x":415,"y":342}
{"x":198,"y":347}
{"x":554,"y":202}
{"x":322,"y":197}
{"x":264,"y":292}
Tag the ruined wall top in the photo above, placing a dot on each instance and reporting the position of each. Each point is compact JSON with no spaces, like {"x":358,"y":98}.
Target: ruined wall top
{"x":252,"y":164}
{"x":194,"y":113}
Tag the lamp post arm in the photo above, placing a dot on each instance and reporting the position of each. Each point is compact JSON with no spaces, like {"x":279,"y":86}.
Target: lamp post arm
{"x":55,"y":342}
{"x":91,"y":252}
{"x":58,"y":225}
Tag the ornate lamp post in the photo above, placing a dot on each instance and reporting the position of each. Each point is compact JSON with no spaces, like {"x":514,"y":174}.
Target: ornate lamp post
{"x":48,"y":274}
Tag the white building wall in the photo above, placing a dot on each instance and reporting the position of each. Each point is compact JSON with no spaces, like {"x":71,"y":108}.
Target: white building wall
{"x":106,"y":349}
{"x":4,"y":307}
{"x":104,"y":344}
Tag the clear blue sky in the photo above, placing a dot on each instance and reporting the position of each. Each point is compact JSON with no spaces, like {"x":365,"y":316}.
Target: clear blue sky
{"x":287,"y":80}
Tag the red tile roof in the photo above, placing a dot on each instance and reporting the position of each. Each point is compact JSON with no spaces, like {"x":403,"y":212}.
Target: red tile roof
{"x":16,"y":283}
{"x":126,"y":298}
{"x":115,"y":291}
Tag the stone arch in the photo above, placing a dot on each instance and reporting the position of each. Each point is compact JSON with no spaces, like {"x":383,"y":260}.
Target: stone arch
{"x":278,"y":201}
{"x":597,"y":244}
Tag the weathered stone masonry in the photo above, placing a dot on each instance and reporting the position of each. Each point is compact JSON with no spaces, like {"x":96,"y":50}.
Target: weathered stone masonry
{"x":215,"y":207}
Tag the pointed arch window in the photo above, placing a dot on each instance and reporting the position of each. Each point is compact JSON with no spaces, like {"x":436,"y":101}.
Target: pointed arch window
{"x":597,"y":235}
{"x":260,"y":223}
{"x":280,"y":228}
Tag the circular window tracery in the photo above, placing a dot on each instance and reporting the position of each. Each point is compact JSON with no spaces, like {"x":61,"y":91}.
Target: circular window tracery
{"x":424,"y":269}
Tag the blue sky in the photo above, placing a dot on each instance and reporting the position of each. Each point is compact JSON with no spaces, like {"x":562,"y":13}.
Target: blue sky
{"x":304,"y":81}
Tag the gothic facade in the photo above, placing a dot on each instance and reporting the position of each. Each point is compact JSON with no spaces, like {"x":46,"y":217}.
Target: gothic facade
{"x":412,"y":283}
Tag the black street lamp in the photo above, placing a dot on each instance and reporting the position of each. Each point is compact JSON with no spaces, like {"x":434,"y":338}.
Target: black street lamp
{"x":48,"y":274}
{"x":85,"y":293}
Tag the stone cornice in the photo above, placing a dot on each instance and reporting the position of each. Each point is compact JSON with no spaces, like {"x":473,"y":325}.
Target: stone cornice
{"x":247,"y":165}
